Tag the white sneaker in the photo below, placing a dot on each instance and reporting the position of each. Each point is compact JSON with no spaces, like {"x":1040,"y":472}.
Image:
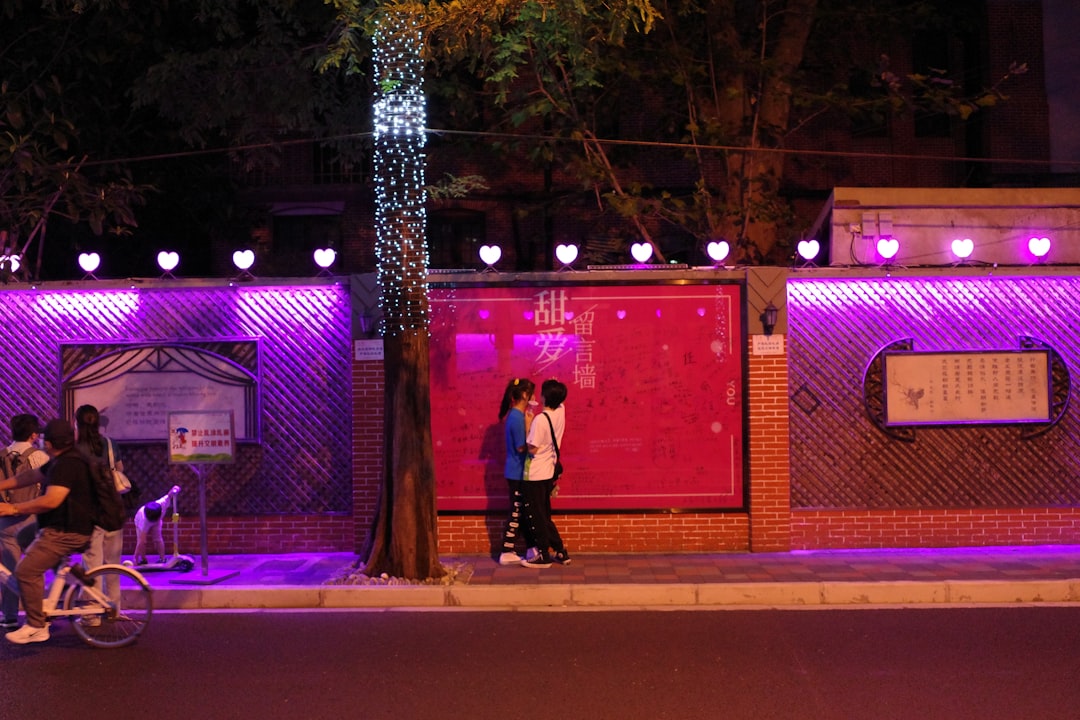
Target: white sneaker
{"x":509,"y":558}
{"x":28,"y":634}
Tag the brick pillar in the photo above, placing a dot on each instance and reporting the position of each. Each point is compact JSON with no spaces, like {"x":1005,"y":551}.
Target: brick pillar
{"x":367,"y":443}
{"x":770,"y":470}
{"x":767,"y":400}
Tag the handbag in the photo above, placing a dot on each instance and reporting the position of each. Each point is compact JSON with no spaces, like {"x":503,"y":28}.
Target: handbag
{"x":120,"y":480}
{"x":555,"y":442}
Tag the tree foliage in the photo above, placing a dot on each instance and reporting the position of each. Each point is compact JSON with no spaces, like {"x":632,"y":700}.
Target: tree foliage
{"x":133,"y":118}
{"x":720,"y":89}
{"x":54,"y":163}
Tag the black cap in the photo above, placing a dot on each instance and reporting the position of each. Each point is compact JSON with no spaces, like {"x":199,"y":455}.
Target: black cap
{"x":59,"y":433}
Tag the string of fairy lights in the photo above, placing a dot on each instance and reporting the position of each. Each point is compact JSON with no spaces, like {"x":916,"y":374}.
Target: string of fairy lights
{"x":400,"y":116}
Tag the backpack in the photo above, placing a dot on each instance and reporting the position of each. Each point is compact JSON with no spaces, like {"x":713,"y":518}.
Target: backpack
{"x":13,"y":462}
{"x":106,"y":507}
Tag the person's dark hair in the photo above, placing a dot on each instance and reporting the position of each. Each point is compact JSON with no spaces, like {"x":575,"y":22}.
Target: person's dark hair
{"x":516,"y":389}
{"x":88,"y":429}
{"x":23,"y":426}
{"x":553,"y":392}
{"x":59,"y":434}
{"x":152,"y":511}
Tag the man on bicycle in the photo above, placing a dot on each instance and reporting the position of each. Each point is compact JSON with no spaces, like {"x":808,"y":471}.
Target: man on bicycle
{"x":65,"y":524}
{"x":17,"y":531}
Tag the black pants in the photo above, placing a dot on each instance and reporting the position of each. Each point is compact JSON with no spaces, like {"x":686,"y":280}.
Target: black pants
{"x":538,"y":515}
{"x":515,"y":536}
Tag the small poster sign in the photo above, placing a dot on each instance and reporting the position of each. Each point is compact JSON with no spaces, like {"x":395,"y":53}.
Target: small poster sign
{"x":201,"y":437}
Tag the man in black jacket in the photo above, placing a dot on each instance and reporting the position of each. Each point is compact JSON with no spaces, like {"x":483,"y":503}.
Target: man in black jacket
{"x":64,"y":520}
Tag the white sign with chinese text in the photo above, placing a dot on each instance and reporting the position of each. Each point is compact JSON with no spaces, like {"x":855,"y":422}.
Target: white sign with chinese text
{"x":201,"y":437}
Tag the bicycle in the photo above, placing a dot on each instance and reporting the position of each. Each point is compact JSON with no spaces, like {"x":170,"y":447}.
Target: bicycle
{"x":84,"y":597}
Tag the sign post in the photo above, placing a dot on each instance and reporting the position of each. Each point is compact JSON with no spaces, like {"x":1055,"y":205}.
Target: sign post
{"x":199,"y":439}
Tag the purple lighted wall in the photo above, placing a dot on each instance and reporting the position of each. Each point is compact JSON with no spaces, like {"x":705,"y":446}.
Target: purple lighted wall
{"x":839,"y":459}
{"x":303,"y":462}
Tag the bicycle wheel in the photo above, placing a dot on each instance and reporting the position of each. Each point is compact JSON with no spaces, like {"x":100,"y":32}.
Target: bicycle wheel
{"x":112,"y":626}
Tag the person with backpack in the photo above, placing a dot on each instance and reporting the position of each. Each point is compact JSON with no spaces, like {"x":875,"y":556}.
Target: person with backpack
{"x":17,"y":531}
{"x":65,"y":518}
{"x":545,"y":437}
{"x":106,"y":546}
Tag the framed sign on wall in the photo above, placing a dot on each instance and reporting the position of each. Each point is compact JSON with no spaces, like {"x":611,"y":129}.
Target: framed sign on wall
{"x":655,"y":378}
{"x":967,"y":387}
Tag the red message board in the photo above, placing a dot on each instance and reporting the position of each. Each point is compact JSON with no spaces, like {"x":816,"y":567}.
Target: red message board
{"x":654,"y":413}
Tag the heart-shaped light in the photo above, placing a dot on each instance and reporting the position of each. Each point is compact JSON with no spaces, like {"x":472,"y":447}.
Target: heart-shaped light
{"x":243,"y":259}
{"x":888,"y":247}
{"x":490,"y":254}
{"x":621,"y":314}
{"x":14,"y":260}
{"x":962,"y":247}
{"x":167,"y":260}
{"x":566,"y":254}
{"x":641,"y":251}
{"x":324,"y":257}
{"x":809,"y":249}
{"x":718,"y":250}
{"x":1039,"y":246}
{"x":89,"y":262}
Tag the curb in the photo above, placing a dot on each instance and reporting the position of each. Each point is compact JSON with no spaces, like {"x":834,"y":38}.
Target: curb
{"x":620,"y":595}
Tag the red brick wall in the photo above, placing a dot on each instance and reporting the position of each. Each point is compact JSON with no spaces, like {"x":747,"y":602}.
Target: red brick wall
{"x":770,"y":473}
{"x":368,"y":447}
{"x":835,"y":529}
{"x":624,"y":532}
{"x":255,"y":534}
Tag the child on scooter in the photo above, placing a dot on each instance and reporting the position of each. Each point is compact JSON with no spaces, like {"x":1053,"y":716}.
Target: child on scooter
{"x":148,"y":524}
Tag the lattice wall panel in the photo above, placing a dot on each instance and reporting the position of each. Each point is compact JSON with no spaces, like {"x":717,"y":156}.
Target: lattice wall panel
{"x":839,"y":459}
{"x":302,"y":464}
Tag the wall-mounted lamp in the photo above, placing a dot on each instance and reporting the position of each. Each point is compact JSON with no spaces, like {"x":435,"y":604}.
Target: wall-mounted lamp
{"x":168,"y":260}
{"x":89,"y":262}
{"x":962,"y":248}
{"x":9,"y":266}
{"x":641,"y":252}
{"x":807,"y":251}
{"x":369,"y":324}
{"x":243,"y":260}
{"x":887,"y":248}
{"x":324,"y":258}
{"x":566,"y":254}
{"x":489,"y":255}
{"x":1039,"y":246}
{"x":717,"y":251}
{"x":768,"y":318}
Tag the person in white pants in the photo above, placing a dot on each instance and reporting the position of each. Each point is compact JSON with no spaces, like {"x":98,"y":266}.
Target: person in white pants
{"x":148,"y":525}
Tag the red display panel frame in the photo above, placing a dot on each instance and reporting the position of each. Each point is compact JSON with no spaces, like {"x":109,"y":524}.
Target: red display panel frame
{"x":655,"y":416}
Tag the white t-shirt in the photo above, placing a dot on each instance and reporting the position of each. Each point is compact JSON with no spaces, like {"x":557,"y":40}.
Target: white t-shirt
{"x":542,"y":465}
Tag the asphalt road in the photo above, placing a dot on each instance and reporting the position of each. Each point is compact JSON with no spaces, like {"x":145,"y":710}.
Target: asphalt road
{"x":924,"y":664}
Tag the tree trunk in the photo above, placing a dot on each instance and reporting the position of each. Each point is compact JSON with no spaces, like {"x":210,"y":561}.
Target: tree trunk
{"x":754,"y":178}
{"x":403,"y":540}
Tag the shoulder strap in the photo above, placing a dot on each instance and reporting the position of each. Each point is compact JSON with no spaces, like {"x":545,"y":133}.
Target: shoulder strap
{"x":109,"y":452}
{"x":554,"y":440}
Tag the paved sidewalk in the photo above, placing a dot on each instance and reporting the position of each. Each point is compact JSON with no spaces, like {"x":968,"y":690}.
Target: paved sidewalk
{"x":998,"y":575}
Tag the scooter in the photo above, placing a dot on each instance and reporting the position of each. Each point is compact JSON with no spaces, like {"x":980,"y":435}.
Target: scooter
{"x":177,"y":562}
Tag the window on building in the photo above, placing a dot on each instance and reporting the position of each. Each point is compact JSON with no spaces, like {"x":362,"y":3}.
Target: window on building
{"x":869,"y":116}
{"x":455,"y":236}
{"x":930,"y":58}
